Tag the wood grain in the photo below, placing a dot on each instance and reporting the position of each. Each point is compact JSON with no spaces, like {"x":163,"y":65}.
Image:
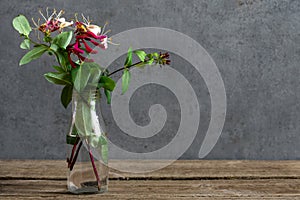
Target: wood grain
{"x":181,"y":169}
{"x":45,"y":179}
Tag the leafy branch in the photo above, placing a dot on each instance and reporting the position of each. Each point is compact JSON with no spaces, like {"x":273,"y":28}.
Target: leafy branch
{"x":83,"y":76}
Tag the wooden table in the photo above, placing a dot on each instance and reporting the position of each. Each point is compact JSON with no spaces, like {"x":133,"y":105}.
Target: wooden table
{"x":204,"y":179}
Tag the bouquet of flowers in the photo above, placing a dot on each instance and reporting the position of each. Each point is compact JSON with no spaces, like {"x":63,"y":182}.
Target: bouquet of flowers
{"x":72,"y":43}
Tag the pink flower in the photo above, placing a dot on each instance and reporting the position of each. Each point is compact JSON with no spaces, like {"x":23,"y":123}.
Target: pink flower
{"x":53,"y":22}
{"x":86,"y":34}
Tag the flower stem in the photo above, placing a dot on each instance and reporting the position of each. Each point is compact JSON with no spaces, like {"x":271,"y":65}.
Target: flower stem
{"x":73,"y":161}
{"x":95,"y":169}
{"x":69,"y":160}
{"x":122,"y":68}
{"x":33,"y":42}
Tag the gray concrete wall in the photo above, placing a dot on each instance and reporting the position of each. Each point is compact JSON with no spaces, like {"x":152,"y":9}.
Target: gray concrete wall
{"x":254,"y":43}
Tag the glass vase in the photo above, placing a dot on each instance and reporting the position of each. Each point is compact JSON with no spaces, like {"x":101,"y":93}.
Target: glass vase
{"x":87,"y":147}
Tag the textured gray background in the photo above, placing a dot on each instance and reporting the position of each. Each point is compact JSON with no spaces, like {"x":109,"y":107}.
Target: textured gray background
{"x":254,"y":43}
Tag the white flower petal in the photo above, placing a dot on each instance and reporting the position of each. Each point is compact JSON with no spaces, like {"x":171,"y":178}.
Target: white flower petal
{"x":94,"y":29}
{"x":62,"y":20}
{"x":66,"y":24}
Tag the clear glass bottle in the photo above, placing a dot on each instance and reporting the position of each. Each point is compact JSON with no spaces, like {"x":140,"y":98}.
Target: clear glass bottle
{"x":87,"y":147}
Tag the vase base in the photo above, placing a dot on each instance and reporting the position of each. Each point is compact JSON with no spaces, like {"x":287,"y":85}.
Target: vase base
{"x":89,"y":187}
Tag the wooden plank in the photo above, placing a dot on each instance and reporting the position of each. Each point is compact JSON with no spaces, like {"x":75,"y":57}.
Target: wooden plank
{"x":40,"y":179}
{"x":155,"y":189}
{"x":192,"y":169}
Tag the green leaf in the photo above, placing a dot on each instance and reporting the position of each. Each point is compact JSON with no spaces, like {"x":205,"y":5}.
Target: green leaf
{"x":150,"y":55}
{"x":59,"y":69}
{"x":125,"y":80}
{"x":128,"y":60}
{"x":86,"y":74}
{"x":149,"y":62}
{"x":155,"y":54}
{"x":71,"y":139}
{"x":141,"y":54}
{"x":107,"y":83}
{"x":35,"y":53}
{"x":74,"y":131}
{"x":25,"y":44}
{"x":103,"y":139}
{"x":94,"y":141}
{"x":62,"y":57}
{"x":47,"y":39}
{"x":104,"y":153}
{"x":58,"y":78}
{"x":74,"y":72}
{"x":82,"y":76}
{"x":97,"y":141}
{"x":21,"y":24}
{"x":108,"y":96}
{"x":54,"y":47}
{"x":63,"y":39}
{"x":83,"y":119}
{"x":95,"y":71}
{"x":66,"y":95}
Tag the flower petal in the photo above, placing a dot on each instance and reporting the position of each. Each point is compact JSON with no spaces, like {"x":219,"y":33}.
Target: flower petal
{"x":88,"y":48}
{"x":94,"y":29}
{"x":76,"y":48}
{"x":65,"y":24}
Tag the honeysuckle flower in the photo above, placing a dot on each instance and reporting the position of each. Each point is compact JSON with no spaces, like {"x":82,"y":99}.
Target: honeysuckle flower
{"x":76,"y":48}
{"x":80,"y":28}
{"x":72,"y":50}
{"x":164,"y":59}
{"x":53,"y":22}
{"x":104,"y":42}
{"x":85,"y":35}
{"x":94,"y":29}
{"x":64,"y":23}
{"x":91,"y":27}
